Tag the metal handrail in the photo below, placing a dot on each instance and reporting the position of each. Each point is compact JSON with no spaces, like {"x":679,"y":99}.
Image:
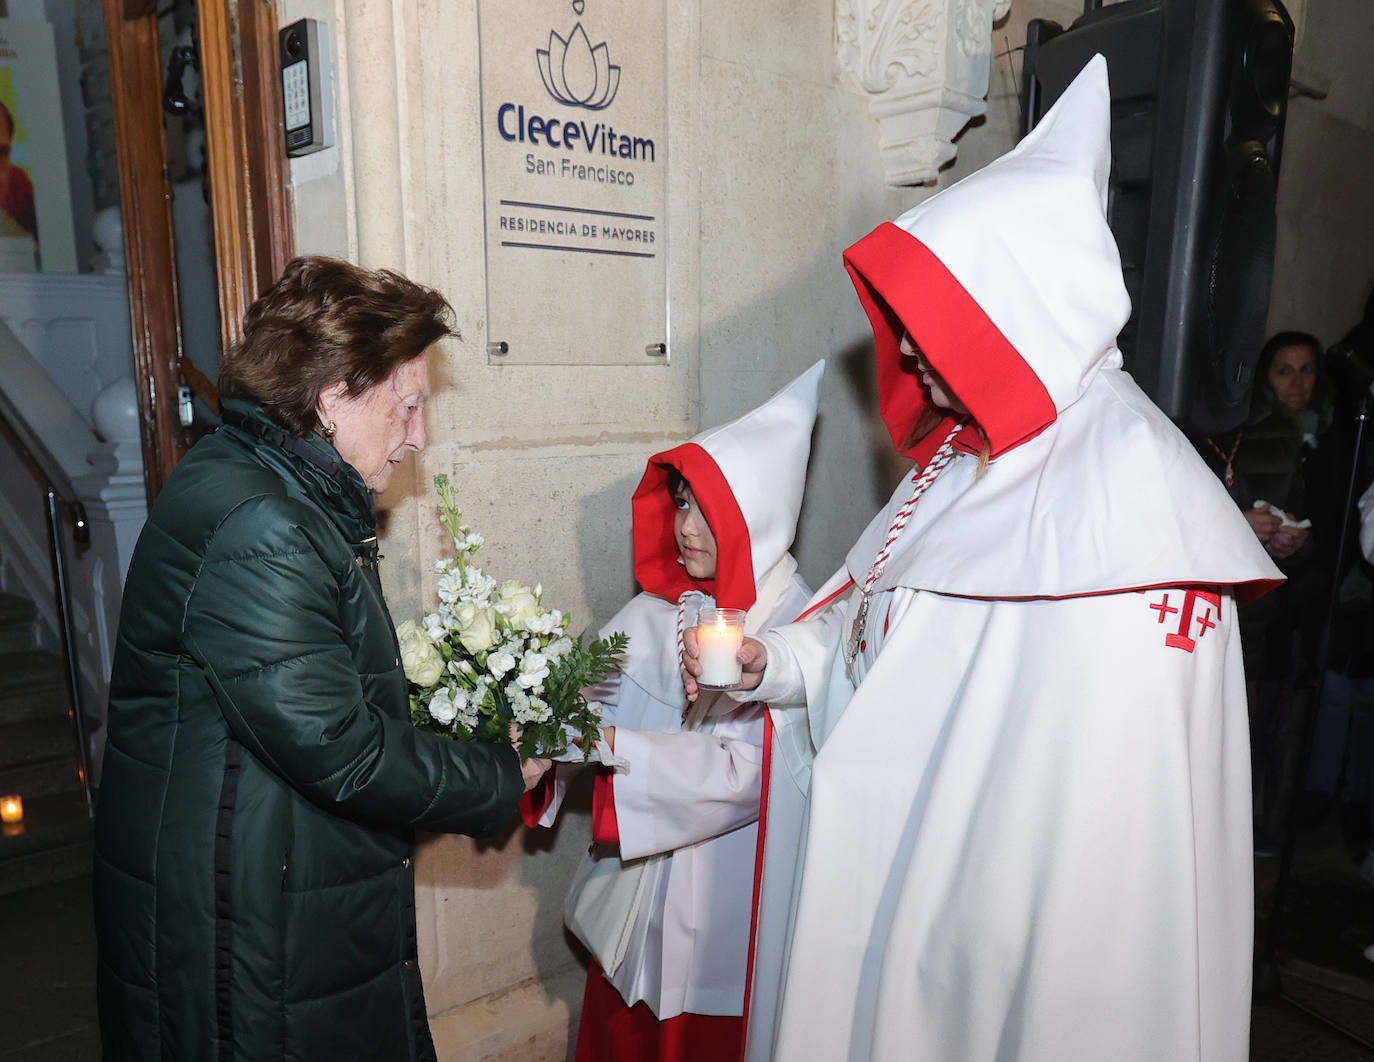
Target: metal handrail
{"x":60,"y":496}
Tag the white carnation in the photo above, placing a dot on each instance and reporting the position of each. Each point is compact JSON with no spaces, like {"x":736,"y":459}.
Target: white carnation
{"x":476,"y":586}
{"x":534,"y":669}
{"x":558,"y":648}
{"x":441,"y":706}
{"x":545,"y":622}
{"x":499,"y":663}
{"x":450,"y":587}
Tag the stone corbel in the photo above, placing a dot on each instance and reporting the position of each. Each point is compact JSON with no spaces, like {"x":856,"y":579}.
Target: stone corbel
{"x":923,"y":64}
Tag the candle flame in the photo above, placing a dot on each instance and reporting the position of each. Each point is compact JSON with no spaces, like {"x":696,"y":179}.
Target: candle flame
{"x":720,"y":621}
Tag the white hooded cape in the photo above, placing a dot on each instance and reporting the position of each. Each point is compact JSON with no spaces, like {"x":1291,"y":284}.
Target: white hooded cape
{"x":1026,"y":829}
{"x":692,"y":797}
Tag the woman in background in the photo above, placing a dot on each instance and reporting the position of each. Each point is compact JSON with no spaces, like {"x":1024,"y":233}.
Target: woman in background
{"x":1273,"y":471}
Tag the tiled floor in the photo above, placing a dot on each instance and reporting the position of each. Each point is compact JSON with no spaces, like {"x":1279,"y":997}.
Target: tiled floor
{"x":47,"y":960}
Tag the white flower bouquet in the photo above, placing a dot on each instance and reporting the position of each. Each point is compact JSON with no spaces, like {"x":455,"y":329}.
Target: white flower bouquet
{"x":493,"y":657}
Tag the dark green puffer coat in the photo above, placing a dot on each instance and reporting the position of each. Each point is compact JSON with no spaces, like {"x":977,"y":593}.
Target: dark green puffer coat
{"x":254,"y":881}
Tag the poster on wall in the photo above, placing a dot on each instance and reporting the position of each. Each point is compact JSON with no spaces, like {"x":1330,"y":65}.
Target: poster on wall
{"x":574,"y":146}
{"x":36,"y":230}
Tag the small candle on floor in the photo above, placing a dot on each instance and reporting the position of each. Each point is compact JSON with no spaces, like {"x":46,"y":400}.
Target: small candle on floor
{"x":11,"y":809}
{"x":720,"y":632}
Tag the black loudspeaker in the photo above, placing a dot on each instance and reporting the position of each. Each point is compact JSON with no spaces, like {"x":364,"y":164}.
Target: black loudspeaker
{"x":1199,"y":97}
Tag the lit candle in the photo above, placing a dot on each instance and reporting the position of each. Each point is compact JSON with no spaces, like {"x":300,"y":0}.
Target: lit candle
{"x":11,"y":809}
{"x":720,"y":632}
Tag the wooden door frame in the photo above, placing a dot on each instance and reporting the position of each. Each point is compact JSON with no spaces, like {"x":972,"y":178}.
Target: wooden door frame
{"x":249,"y":194}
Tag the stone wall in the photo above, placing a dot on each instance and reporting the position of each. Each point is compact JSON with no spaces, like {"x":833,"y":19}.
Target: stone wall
{"x":1324,"y":265}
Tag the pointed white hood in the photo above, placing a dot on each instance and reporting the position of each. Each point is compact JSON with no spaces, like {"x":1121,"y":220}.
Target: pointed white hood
{"x":747,"y":477}
{"x":1010,"y":283}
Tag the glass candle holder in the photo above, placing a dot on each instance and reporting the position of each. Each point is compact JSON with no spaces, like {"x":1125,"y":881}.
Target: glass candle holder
{"x":11,"y":809}
{"x":720,"y":633}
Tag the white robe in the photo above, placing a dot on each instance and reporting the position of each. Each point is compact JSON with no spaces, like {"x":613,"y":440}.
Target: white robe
{"x":1000,"y":867}
{"x":693,"y":798}
{"x":1028,"y":832}
{"x":1029,"y":805}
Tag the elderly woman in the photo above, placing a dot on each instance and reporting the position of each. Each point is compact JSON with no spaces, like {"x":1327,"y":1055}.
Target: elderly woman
{"x":254,"y":872}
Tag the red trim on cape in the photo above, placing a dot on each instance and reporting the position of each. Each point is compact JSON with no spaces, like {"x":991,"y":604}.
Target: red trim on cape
{"x":758,"y":876}
{"x":656,"y":554}
{"x":1243,"y":593}
{"x":903,"y":286}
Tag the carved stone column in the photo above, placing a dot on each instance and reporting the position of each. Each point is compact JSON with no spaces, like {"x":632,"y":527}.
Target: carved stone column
{"x":924,"y":66}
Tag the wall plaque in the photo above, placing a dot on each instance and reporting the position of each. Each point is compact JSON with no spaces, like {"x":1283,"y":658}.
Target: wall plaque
{"x":574,"y":164}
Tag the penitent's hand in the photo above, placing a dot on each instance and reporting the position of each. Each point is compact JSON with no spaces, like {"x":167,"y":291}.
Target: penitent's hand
{"x":752,"y":657}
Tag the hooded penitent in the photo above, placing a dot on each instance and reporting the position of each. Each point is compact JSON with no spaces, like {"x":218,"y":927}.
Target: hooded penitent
{"x":686,"y":809}
{"x":1027,"y":832}
{"x":747,"y":477}
{"x":1010,"y":283}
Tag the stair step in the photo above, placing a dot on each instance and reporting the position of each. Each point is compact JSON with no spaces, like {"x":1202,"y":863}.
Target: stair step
{"x":32,"y":686}
{"x":31,"y":741}
{"x":18,"y":626}
{"x":27,"y":671}
{"x":46,"y":866}
{"x":42,"y":778}
{"x":16,"y":609}
{"x":52,"y":843}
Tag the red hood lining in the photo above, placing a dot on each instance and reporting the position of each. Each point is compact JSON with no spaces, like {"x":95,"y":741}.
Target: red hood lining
{"x":902,"y":284}
{"x":656,"y":554}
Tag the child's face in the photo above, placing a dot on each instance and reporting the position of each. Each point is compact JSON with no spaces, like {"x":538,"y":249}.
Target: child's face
{"x":940,"y":394}
{"x":695,"y":542}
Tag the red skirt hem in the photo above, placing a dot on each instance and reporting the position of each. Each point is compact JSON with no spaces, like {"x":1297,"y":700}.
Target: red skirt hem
{"x":611,"y":1031}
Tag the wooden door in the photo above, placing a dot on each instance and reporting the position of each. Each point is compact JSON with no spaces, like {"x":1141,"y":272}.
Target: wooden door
{"x":248,"y":194}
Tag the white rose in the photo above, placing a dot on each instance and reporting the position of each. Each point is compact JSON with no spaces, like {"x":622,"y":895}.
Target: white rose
{"x":419,"y":658}
{"x":499,"y":663}
{"x":534,"y":669}
{"x":476,"y":626}
{"x":441,"y":706}
{"x":517,"y":602}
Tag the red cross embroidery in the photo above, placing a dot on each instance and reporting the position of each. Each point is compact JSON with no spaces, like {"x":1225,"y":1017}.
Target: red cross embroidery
{"x":1164,"y":608}
{"x":1181,"y":639}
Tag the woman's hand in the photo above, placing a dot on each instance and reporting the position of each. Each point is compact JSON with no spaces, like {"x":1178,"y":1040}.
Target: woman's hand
{"x":1263,"y":523}
{"x":533,"y":769}
{"x":1286,"y":541}
{"x":752,"y":657}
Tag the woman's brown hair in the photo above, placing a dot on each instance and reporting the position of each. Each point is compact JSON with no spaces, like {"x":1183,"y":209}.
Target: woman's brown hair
{"x":324,"y":322}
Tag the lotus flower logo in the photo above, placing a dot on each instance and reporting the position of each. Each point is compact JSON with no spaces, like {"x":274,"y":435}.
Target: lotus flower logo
{"x":577,"y":74}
